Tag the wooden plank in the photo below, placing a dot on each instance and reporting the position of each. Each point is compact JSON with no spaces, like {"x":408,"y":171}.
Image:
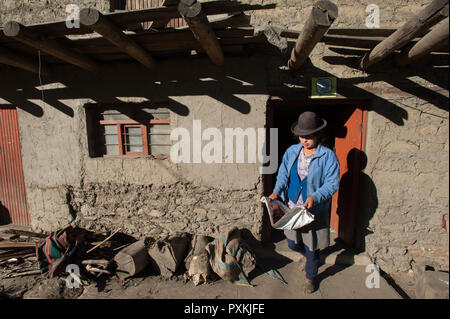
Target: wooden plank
{"x":209,"y":8}
{"x":354,"y":42}
{"x":432,"y":14}
{"x":21,"y":61}
{"x":100,"y":24}
{"x":168,"y":41}
{"x":349,"y":41}
{"x":364,"y":32}
{"x":323,"y":14}
{"x":436,"y":38}
{"x":25,"y":233}
{"x":192,"y":12}
{"x":23,"y":34}
{"x":233,"y":21}
{"x":12,"y":244}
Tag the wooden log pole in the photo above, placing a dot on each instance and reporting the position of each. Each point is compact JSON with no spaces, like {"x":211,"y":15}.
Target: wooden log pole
{"x":436,"y":38}
{"x":17,"y":60}
{"x":22,"y":34}
{"x":430,"y":15}
{"x":322,"y":16}
{"x":99,"y":23}
{"x":191,"y":11}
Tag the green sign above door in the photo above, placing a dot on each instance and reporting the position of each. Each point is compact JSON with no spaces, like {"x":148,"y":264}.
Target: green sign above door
{"x":323,"y":87}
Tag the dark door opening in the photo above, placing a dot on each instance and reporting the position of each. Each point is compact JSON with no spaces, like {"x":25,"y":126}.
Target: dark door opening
{"x":344,"y":133}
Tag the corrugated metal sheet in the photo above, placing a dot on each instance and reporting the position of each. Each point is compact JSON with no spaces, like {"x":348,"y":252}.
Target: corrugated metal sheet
{"x":145,"y":4}
{"x":13,"y":199}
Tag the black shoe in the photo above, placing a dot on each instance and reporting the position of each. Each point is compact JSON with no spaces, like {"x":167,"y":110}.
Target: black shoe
{"x":310,"y":286}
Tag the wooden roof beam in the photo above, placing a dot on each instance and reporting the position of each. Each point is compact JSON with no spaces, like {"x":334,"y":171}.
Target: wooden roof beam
{"x":429,"y":16}
{"x":191,"y":11}
{"x":126,"y":18}
{"x":14,"y":59}
{"x":159,"y":24}
{"x":99,"y":23}
{"x":323,"y":14}
{"x":435,"y":39}
{"x":22,"y":34}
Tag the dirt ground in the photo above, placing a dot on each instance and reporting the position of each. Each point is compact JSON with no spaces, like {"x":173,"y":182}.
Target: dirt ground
{"x":337,"y":282}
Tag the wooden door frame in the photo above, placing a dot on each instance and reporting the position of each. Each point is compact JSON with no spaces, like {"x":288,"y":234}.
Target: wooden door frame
{"x":268,"y":180}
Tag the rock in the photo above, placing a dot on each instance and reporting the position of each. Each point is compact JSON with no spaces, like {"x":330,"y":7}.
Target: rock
{"x":201,"y":218}
{"x":200,"y":211}
{"x":156,"y":213}
{"x":432,"y":285}
{"x":155,"y":231}
{"x":47,"y":289}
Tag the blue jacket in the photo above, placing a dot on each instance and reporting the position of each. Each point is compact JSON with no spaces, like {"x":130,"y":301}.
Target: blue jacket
{"x":323,"y":176}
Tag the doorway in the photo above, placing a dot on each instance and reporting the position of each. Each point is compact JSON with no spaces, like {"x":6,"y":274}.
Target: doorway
{"x":345,"y":135}
{"x":13,"y":200}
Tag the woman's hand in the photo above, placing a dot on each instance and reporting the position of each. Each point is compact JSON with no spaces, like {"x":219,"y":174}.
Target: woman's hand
{"x":309,"y":202}
{"x":273,"y":196}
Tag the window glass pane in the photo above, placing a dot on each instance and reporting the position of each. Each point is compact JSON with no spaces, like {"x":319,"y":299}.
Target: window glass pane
{"x":160,"y":139}
{"x":114,"y":115}
{"x":151,"y":113}
{"x":135,"y":148}
{"x":160,"y":128}
{"x":111,"y":139}
{"x":161,"y":116}
{"x":134,"y":131}
{"x":135,"y":140}
{"x":110,"y":129}
{"x":159,"y":150}
{"x":112,"y":149}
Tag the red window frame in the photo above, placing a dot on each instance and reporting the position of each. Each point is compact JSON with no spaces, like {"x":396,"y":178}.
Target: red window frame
{"x":121,"y":125}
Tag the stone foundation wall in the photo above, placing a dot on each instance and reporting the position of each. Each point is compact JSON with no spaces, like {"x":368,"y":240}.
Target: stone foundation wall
{"x":147,"y":210}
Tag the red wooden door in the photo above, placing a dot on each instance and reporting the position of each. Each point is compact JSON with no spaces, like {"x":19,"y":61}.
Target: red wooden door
{"x":13,"y":201}
{"x":349,"y":148}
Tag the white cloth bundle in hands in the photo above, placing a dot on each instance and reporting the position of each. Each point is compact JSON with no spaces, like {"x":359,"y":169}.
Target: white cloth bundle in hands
{"x":293,"y":218}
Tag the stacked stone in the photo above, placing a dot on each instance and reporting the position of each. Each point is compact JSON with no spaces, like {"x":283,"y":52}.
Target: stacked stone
{"x":142,"y":211}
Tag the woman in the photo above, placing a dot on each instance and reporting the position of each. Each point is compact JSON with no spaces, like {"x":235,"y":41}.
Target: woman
{"x":308,"y":176}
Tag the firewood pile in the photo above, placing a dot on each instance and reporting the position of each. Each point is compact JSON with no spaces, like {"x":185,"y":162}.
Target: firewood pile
{"x":18,"y":252}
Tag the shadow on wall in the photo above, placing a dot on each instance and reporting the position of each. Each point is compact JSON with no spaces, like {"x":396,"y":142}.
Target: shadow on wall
{"x":5,"y":217}
{"x":356,"y":227}
{"x":118,"y":82}
{"x":432,"y":68}
{"x":254,"y":74}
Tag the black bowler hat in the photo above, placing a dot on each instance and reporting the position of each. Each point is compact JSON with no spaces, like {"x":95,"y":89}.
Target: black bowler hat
{"x":308,"y":123}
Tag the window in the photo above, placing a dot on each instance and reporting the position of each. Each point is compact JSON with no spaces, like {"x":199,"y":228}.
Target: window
{"x":128,"y":131}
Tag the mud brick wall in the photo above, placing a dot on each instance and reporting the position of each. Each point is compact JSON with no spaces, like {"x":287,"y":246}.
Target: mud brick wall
{"x":405,"y":186}
{"x":143,"y":196}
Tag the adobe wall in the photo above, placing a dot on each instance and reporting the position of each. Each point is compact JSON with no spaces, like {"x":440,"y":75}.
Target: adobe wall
{"x":141,"y":196}
{"x":405,"y":189}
